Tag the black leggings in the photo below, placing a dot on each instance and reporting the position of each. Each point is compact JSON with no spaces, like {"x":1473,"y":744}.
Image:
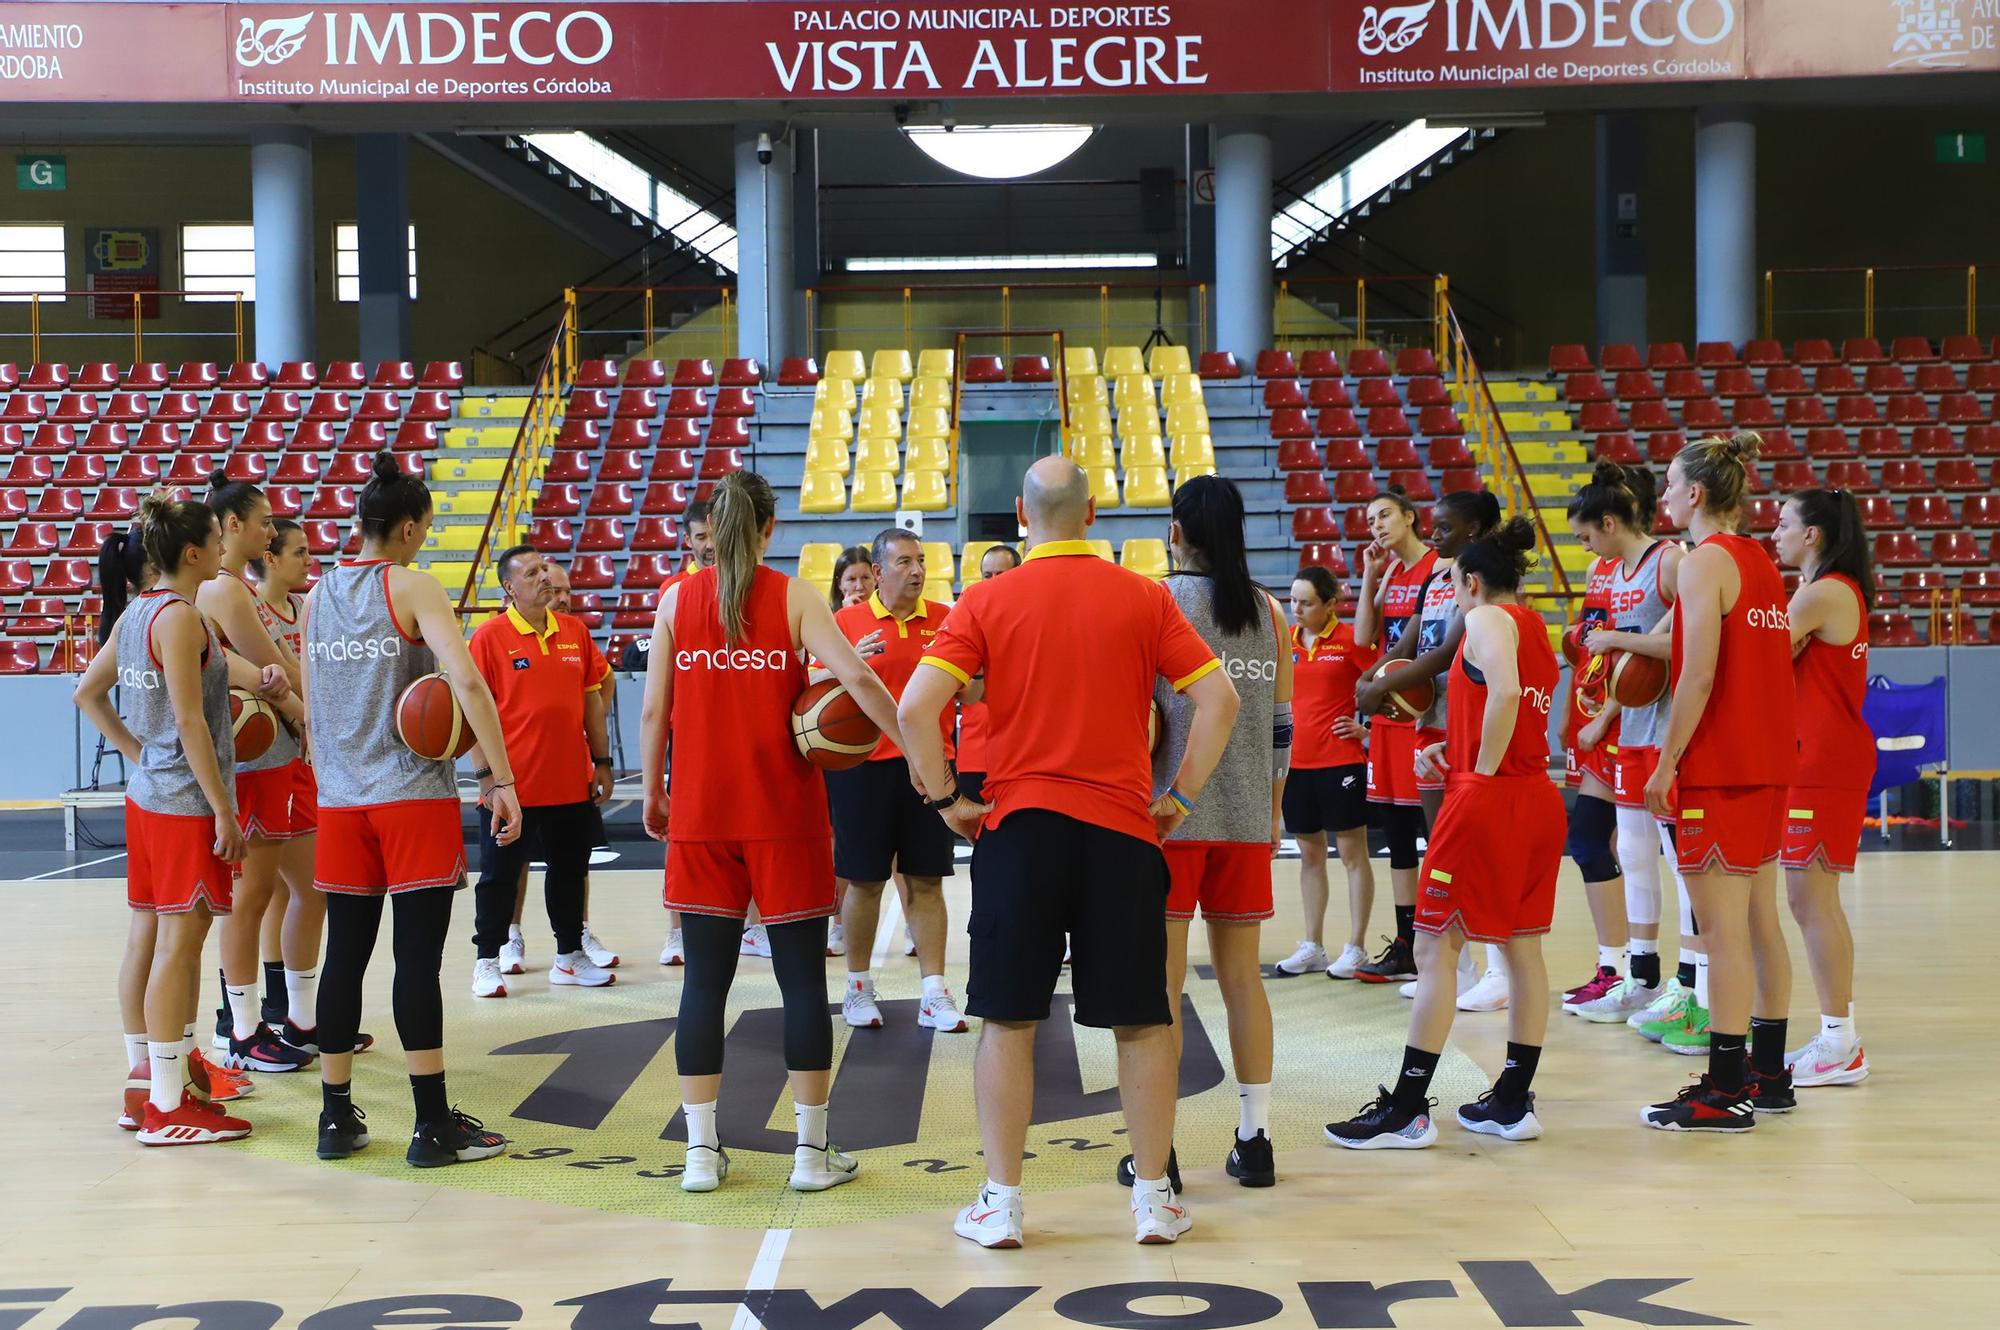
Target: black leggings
{"x":798,"y":956}
{"x":422,"y":919}
{"x":1404,"y":824}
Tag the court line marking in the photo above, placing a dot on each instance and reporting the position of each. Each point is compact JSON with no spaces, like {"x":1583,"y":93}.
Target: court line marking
{"x":888,"y":927}
{"x":53,"y":872}
{"x":763,"y":1275}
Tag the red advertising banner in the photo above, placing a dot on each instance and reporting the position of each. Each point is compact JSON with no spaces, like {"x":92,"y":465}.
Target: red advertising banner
{"x":755,"y":50}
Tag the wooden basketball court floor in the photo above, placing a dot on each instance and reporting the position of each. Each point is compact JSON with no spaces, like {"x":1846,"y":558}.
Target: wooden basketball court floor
{"x":1871,"y":1205}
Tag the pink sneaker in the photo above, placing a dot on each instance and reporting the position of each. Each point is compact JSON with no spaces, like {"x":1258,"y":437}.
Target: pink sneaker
{"x":1600,"y":984}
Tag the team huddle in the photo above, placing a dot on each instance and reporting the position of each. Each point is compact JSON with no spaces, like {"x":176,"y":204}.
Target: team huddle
{"x":1122,"y":753}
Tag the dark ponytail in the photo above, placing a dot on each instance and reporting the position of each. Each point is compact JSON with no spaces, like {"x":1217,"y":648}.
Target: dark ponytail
{"x":1478,"y":508}
{"x":389,"y":499}
{"x":1209,"y":510}
{"x":121,"y":570}
{"x":1500,"y":558}
{"x":1609,"y":493}
{"x":1843,"y":538}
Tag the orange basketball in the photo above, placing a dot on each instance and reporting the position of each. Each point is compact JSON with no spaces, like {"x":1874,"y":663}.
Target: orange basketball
{"x":1637,"y":681}
{"x":429,"y":722}
{"x":253,"y":723}
{"x":1409,"y":701}
{"x":1572,"y":647}
{"x":830,"y":728}
{"x":1156,"y":726}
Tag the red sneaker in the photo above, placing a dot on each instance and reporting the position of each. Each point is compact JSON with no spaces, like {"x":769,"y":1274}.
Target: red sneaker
{"x":216,"y":1083}
{"x":1600,"y":984}
{"x":138,"y":1087}
{"x":191,"y":1123}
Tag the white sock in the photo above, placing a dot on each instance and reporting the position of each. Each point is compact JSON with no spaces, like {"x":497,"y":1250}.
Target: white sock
{"x":933,"y":986}
{"x":1838,"y":1028}
{"x":1643,"y":946}
{"x":1689,"y":956}
{"x":1153,"y":1186}
{"x":135,"y":1051}
{"x":860,"y":981}
{"x":1701,"y":980}
{"x":167,"y":1068}
{"x":1611,"y":958}
{"x":187,"y":1041}
{"x":811,"y":1119}
{"x":302,"y":997}
{"x":999,"y":1191}
{"x":700,"y":1124}
{"x":242,"y":1009}
{"x":1253,"y":1110}
{"x":1496,"y":959}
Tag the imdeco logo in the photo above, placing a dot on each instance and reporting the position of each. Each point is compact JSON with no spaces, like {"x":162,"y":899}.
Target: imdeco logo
{"x":429,"y":37}
{"x":1397,"y":28}
{"x":271,"y":42}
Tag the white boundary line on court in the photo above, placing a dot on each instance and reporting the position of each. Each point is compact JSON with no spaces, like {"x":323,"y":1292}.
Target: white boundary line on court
{"x":56,"y":872}
{"x":888,"y":927}
{"x":763,"y":1274}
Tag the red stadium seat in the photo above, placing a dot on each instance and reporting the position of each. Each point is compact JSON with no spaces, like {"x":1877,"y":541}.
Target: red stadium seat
{"x":672,"y":464}
{"x":1933,"y":441}
{"x":1903,"y":475}
{"x":1958,"y":475}
{"x":1953,"y":408}
{"x":158,"y":436}
{"x":65,"y":577}
{"x":178,"y":408}
{"x":644,"y":404}
{"x":1301,"y":487}
{"x":1883,"y":441}
{"x":24,"y":408}
{"x":1911,"y":409}
{"x":656,"y":533}
{"x":1457,"y":480}
{"x":1219,"y":366}
{"x":1345,"y":453}
{"x":56,"y":440}
{"x":393,"y":376}
{"x":1585,"y":387}
{"x":591,"y":572}
{"x":360,"y":436}
{"x":298,"y":469}
{"x":1396,"y":454}
{"x":446,"y":376}
{"x":1388,"y":422}
{"x":1891,"y":629}
{"x":601,"y":533}
{"x":136,"y":471}
{"x":693,"y":373}
{"x":145,"y":376}
{"x":87,"y":538}
{"x":33,"y":540}
{"x":1760,"y":515}
{"x":1279,"y":365}
{"x":1897,"y":549}
{"x":1686,"y":384}
{"x":1667,"y":355}
{"x":1662,"y":446}
{"x":587,"y":404}
{"x":127,"y":408}
{"x":1716,"y":355}
{"x":282,"y":406}
{"x":1827,"y":441}
{"x":665,"y":500}
{"x":1789,"y":477}
{"x":585,"y":435}
{"x":1427,"y":392}
{"x":1651,"y":415}
{"x":1704,"y":414}
{"x":1980,"y":586}
{"x":246,"y":467}
{"x":741,"y":372}
{"x":1786,"y":381}
{"x":245,"y":376}
{"x":119,"y":505}
{"x":1314,"y":524}
{"x":611,"y":501}
{"x":1806,"y":412}
{"x":1912,"y":350}
{"x":344,"y":376}
{"x":557,"y":501}
{"x":1833,"y":380}
{"x":735,"y":402}
{"x":195,"y":376}
{"x":635,"y":609}
{"x":432,"y":406}
{"x":641,"y":372}
{"x":1860,"y":411}
{"x":1322,"y":554}
{"x":719,"y":462}
{"x":1291,"y":423}
{"x":1813,"y":351}
{"x":296,"y":375}
{"x":1890,"y":378}
{"x":1982,"y":511}
{"x":682,"y":404}
{"x":19,"y":657}
{"x":729,"y":432}
{"x":982,"y":369}
{"x":1569,"y":358}
{"x":552,"y":535}
{"x":1964,"y":349}
{"x":322,"y":537}
{"x":330,"y":406}
{"x":803,"y":372}
{"x":1615,"y":356}
{"x":621,"y":464}
{"x":1354,"y":487}
{"x":16,"y":576}
{"x":1736,"y":382}
{"x":1636,"y":385}
{"x":258,"y":436}
{"x":1956,"y":549}
{"x":1982,"y":440}
{"x":1337,"y":422}
{"x":567,"y":468}
{"x":1299,"y":455}
{"x":1414,"y":484}
{"x":1367,"y":362}
{"x":231,"y":408}
{"x":1862,"y":351}
{"x":596,"y":374}
{"x":1851,"y":475}
{"x":285,"y":501}
{"x":30,"y":471}
{"x":57,"y":502}
{"x":1983,"y":377}
{"x":1438,"y":421}
{"x":1031,"y":369}
{"x":1283,"y":393}
{"x":350,"y":469}
{"x":1599,"y":418}
{"x":1931,"y":512}
{"x":48,"y":377}
{"x":648,"y":570}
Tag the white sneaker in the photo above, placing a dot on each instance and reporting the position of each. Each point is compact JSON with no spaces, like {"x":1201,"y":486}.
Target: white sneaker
{"x":603,"y":957}
{"x":1626,"y":998}
{"x":1066,"y":954}
{"x":514,"y":952}
{"x":672,"y":953}
{"x":1489,"y":994}
{"x":991,"y":1223}
{"x":1671,"y":1004}
{"x":1309,"y":957}
{"x":909,"y":940}
{"x":1160,"y":1216}
{"x":578,"y":970}
{"x":756,"y":942}
{"x":1824,"y":1062}
{"x":486,"y":981}
{"x":836,"y":939}
{"x":858,"y":1007}
{"x":1408,"y":990}
{"x":1351,"y":958}
{"x":1467,"y":977}
{"x":819,"y":1169}
{"x":706,"y":1167}
{"x":941,"y":1014}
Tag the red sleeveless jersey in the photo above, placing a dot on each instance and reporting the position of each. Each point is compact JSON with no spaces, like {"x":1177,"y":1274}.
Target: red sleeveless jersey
{"x":737,"y":775}
{"x":1739,"y":739}
{"x":1402,"y":598}
{"x":1596,"y":613}
{"x":1836,"y":747}
{"x":1465,"y":708}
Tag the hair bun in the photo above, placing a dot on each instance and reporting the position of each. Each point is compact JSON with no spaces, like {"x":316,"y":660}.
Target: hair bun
{"x":1516,"y":535}
{"x":156,"y":506}
{"x":1609,"y":473}
{"x":1746,"y":444}
{"x":385,"y":467}
{"x":218,"y":478}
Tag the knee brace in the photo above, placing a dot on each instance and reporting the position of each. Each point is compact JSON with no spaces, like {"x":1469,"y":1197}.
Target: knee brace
{"x":1592,"y":823}
{"x":1639,"y":856}
{"x":1405,"y":825}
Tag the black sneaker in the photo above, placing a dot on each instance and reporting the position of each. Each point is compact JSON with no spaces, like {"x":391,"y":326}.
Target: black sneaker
{"x":1771,"y":1094}
{"x":1380,"y":1125}
{"x":273,"y":1013}
{"x":1702,"y":1106}
{"x":1509,"y":1120}
{"x":1250,"y":1162}
{"x":1126,"y":1177}
{"x":225,"y":1028}
{"x":1396,"y":965}
{"x":264,"y":1051}
{"x":340,"y":1137}
{"x":307,"y":1041}
{"x":459,"y":1139}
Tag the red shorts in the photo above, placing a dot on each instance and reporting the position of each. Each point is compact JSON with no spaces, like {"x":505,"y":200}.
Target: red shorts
{"x":1823,"y":827}
{"x":1392,"y":762}
{"x":1730,"y":828}
{"x":1493,"y":858}
{"x":264,"y":803}
{"x":1600,"y":763}
{"x":1631,"y":768}
{"x":390,"y":848}
{"x":788,"y":880}
{"x":1230,"y":880}
{"x":171,"y":864}
{"x":305,"y":799}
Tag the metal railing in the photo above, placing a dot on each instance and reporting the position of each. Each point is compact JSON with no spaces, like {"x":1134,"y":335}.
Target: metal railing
{"x":1926,"y":296}
{"x":75,"y":641}
{"x":933,"y":313}
{"x":134,"y":301}
{"x":1007,"y":336}
{"x":585,"y":306}
{"x":1405,"y":318}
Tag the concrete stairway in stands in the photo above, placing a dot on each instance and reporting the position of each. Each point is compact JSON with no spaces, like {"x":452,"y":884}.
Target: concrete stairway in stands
{"x":1555,"y":457}
{"x":465,"y":478}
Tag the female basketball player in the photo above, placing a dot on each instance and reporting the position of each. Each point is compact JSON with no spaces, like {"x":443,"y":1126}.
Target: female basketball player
{"x":263,"y":784}
{"x":853,"y":578}
{"x":1490,"y":871}
{"x":389,"y":821}
{"x":1326,"y":792}
{"x":1820,"y":533}
{"x":1220,"y":857}
{"x":749,"y":815}
{"x":1725,"y":764}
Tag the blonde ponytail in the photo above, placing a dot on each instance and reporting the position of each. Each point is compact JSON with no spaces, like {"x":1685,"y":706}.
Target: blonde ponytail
{"x":1721,"y":466}
{"x":743,"y":504}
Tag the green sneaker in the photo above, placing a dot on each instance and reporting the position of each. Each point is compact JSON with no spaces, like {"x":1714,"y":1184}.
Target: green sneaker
{"x":1691,"y":1038}
{"x":1669,"y":1010}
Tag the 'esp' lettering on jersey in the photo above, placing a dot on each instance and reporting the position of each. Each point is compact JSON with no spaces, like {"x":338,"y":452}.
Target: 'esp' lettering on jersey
{"x":738,"y":658}
{"x":357,"y":648}
{"x":1759,"y":616}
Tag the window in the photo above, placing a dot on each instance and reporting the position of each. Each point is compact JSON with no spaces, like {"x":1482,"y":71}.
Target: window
{"x":32,"y":262}
{"x":218,"y":262}
{"x":347,"y":263}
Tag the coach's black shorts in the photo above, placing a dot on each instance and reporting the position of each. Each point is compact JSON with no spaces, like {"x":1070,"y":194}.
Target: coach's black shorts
{"x":880,"y":822}
{"x":972,"y":784}
{"x":1326,"y":799}
{"x":1040,"y":878}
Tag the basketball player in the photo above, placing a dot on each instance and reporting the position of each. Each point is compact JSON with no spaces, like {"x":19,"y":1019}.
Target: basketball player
{"x":972,"y":715}
{"x":1731,"y":680}
{"x":1326,"y":792}
{"x":389,"y":820}
{"x":1820,"y":533}
{"x":1070,"y":645}
{"x":853,"y":578}
{"x":1490,"y":871}
{"x":699,"y":527}
{"x":880,"y":823}
{"x":263,"y":784}
{"x":748,"y":815}
{"x":181,"y":830}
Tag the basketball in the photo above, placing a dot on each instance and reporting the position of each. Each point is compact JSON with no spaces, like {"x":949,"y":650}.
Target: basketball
{"x":253,"y":723}
{"x":1156,"y":726}
{"x":429,"y":722}
{"x":1573,"y":649}
{"x":831,"y":730}
{"x":1637,"y":681}
{"x":1407,"y":702}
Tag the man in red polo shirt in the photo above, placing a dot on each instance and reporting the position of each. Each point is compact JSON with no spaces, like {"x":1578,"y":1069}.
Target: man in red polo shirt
{"x":540,"y":666}
{"x":1068,"y":840}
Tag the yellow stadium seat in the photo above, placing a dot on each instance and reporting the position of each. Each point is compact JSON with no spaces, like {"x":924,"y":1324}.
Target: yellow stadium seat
{"x":1146,"y":555}
{"x":938,"y":591}
{"x":816,"y":562}
{"x":826,"y":453}
{"x":834,"y":392}
{"x":1192,"y":450}
{"x":926,"y":492}
{"x":1103,"y":485}
{"x":1087,"y":389}
{"x":1139,"y":424}
{"x":1130,"y":392}
{"x":933,"y":422}
{"x":927,"y":453}
{"x":1092,"y":450}
{"x":877,"y":452}
{"x":1142,"y":451}
{"x":1167,"y":360}
{"x":822,"y":492}
{"x":927,"y":391}
{"x":1184,"y":474}
{"x":844,"y":365}
{"x":1180,"y":389}
{"x":938,"y":564}
{"x":1122,"y":360}
{"x":1146,"y":487}
{"x":1102,"y":549}
{"x":874,"y":492}
{"x":886,"y":421}
{"x":1079,"y":362}
{"x":892,"y":365}
{"x":974,"y":557}
{"x":882,"y":392}
{"x":1091,"y":418}
{"x":832,"y":422}
{"x":1191,"y":418}
{"x":935,"y":363}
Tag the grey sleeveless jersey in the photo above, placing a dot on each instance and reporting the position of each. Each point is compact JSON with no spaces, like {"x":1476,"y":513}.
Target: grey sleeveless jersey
{"x":358,"y":663}
{"x":284,"y":748}
{"x":1637,"y":607}
{"x":1235,"y":805}
{"x":1437,"y":610}
{"x":163,"y":781}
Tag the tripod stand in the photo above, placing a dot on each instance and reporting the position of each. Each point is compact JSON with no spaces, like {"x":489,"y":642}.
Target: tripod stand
{"x":1159,"y":335}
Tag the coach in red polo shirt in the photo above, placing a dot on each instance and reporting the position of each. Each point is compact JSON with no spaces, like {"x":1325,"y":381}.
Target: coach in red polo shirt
{"x":1069,"y":838}
{"x":540,"y":666}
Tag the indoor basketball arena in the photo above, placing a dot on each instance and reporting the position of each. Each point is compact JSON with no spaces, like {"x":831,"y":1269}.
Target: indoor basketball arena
{"x":633,"y":634}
